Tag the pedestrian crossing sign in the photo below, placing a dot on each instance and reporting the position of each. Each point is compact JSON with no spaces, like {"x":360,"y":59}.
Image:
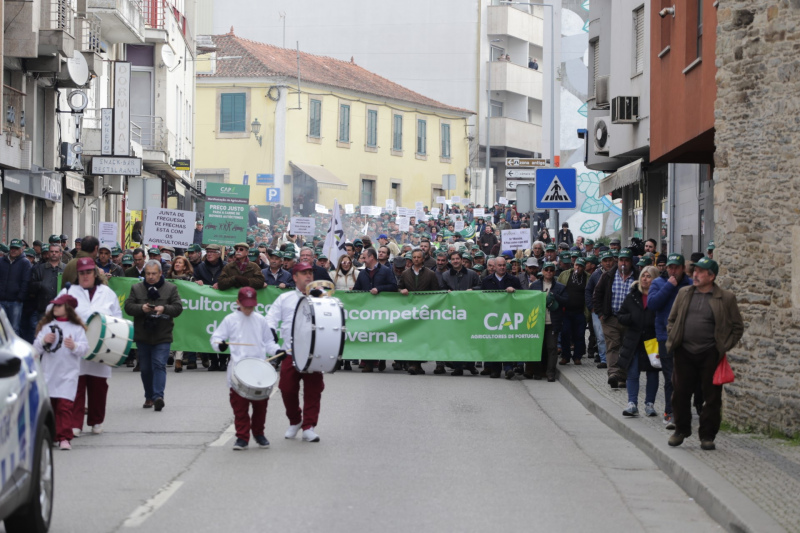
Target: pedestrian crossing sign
{"x":556,"y":188}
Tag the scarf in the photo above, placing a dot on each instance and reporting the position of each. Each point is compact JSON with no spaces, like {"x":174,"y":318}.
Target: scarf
{"x":243,"y":265}
{"x":152,"y":290}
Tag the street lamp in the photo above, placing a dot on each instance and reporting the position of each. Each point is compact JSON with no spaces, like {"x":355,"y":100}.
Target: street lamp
{"x":488,"y":119}
{"x":552,"y":83}
{"x":255,"y":127}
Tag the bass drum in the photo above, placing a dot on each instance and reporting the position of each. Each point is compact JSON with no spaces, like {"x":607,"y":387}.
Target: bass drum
{"x":110,"y":339}
{"x":318,"y":334}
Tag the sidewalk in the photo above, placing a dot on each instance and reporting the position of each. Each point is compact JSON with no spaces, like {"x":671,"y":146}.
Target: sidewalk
{"x":749,"y":483}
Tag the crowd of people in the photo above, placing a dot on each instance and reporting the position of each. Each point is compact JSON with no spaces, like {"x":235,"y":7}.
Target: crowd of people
{"x":643,"y":311}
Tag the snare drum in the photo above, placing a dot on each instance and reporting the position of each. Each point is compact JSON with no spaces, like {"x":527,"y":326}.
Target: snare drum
{"x":317,"y":334}
{"x":253,"y":379}
{"x":110,"y":339}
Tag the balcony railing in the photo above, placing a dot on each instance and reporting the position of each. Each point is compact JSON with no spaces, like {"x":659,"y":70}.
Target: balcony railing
{"x":150,"y":132}
{"x":153,"y":12}
{"x":89,"y":33}
{"x":13,"y":104}
{"x":59,"y":15}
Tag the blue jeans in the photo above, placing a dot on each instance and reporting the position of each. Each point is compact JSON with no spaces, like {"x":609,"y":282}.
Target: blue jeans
{"x":601,"y":339}
{"x":573,"y":331}
{"x":14,"y":313}
{"x":153,"y":366}
{"x":667,"y":364}
{"x":633,"y":382}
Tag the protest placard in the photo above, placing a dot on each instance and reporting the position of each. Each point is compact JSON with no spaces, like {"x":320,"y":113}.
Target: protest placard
{"x":516,"y":239}
{"x":348,"y":209}
{"x":302,"y":226}
{"x":402,"y":223}
{"x":169,"y":227}
{"x":108,"y":234}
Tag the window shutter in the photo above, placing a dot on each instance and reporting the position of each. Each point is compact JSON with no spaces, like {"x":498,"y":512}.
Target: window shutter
{"x":239,"y":111}
{"x":445,"y":140}
{"x":639,"y":39}
{"x":314,"y":125}
{"x":225,"y":113}
{"x":398,"y":133}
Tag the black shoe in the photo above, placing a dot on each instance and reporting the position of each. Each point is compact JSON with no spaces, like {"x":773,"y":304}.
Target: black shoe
{"x":240,"y":444}
{"x":537,"y":377}
{"x":204,"y":359}
{"x":158,"y":404}
{"x":347,"y":365}
{"x":191,"y":366}
{"x":708,"y":445}
{"x":551,"y":379}
{"x":381,"y":365}
{"x":486,"y":372}
{"x":472,"y":370}
{"x":223,"y":367}
{"x":612,"y":382}
{"x":509,"y":373}
{"x":439,"y":369}
{"x":170,"y":361}
{"x":527,"y":376}
{"x":519,"y":370}
{"x":397,"y":366}
{"x":495,"y":375}
{"x":130,"y":362}
{"x":457,"y":372}
{"x":602,"y":365}
{"x":213,"y":367}
{"x":367,"y":368}
{"x":676,"y":439}
{"x":136,"y":368}
{"x":597,"y":359}
{"x":178,"y":366}
{"x":262,"y":441}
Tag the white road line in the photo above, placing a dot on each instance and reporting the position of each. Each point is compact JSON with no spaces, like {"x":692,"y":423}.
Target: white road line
{"x":230,"y":432}
{"x":152,"y":505}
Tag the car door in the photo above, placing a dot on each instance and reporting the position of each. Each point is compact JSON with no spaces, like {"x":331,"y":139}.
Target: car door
{"x":12,"y":381}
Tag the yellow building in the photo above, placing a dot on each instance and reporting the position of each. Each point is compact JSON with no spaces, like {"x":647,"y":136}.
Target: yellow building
{"x":346,"y":134}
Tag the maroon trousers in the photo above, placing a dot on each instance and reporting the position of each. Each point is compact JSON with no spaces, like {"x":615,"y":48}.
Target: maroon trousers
{"x":242,"y":420}
{"x":289,"y":385}
{"x":97,"y":392}
{"x":62,"y":409}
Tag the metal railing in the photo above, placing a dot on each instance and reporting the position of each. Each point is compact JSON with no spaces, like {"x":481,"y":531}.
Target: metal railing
{"x":89,"y":33}
{"x":13,"y":104}
{"x":153,"y":13}
{"x":150,"y":132}
{"x":60,"y":16}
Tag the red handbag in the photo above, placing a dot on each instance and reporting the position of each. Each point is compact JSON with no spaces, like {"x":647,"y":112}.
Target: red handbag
{"x":724,"y":373}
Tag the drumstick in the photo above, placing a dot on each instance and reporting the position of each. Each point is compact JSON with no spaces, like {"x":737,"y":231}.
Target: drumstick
{"x":239,"y":344}
{"x":276,"y":356}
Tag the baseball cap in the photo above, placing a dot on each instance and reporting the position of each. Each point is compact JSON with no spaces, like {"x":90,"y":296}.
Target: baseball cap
{"x":253,"y":254}
{"x":247,"y":297}
{"x":301,"y":267}
{"x":625,"y":252}
{"x":592,"y":259}
{"x":532,"y":262}
{"x":275,"y":253}
{"x":383,"y":236}
{"x":550,"y":247}
{"x":615,"y":241}
{"x":65,"y":299}
{"x":575,"y":254}
{"x":468,"y":257}
{"x":357,"y":242}
{"x":480,"y":254}
{"x":708,"y":264}
{"x":85,"y":263}
{"x":322,"y":256}
{"x":30,"y":251}
{"x":675,"y":259}
{"x":63,"y":237}
{"x":548,"y":264}
{"x":606,"y":255}
{"x":194,"y":248}
{"x":45,"y":247}
{"x":127,"y":259}
{"x":104,"y":246}
{"x":580,"y":261}
{"x":478,"y":268}
{"x":15,"y":243}
{"x":54,"y":239}
{"x":589,"y":242}
{"x":645,"y":261}
{"x":710,"y":245}
{"x":565,"y":257}
{"x":116,"y":250}
{"x":153,"y":251}
{"x":3,"y":248}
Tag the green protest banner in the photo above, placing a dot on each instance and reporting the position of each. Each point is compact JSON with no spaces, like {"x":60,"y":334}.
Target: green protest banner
{"x":226,"y":213}
{"x":440,"y":326}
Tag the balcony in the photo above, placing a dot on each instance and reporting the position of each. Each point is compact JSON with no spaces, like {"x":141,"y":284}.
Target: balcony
{"x":507,"y":76}
{"x":516,"y":134}
{"x":506,"y":20}
{"x":21,"y":39}
{"x":90,"y":39}
{"x":15,"y":151}
{"x":57,"y":32}
{"x":152,"y":135}
{"x":121,"y":21}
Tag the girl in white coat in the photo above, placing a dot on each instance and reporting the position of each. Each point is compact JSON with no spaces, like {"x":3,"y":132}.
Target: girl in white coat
{"x":61,"y":341}
{"x":92,"y":297}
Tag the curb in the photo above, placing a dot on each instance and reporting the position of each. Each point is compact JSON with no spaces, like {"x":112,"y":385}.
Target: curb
{"x":725,"y":503}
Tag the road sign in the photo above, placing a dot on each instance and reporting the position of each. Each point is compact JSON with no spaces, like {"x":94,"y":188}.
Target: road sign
{"x":265,"y":179}
{"x":520,"y":173}
{"x":525,"y":162}
{"x":274,"y":195}
{"x":556,"y":188}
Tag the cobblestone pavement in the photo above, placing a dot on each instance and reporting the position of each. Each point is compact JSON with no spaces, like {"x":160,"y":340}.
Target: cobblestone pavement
{"x":766,"y":470}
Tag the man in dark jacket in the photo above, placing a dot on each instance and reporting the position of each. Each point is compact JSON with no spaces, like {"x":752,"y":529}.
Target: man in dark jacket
{"x":241,"y":272}
{"x":210,"y":268}
{"x":137,"y":269}
{"x":609,"y":294}
{"x":487,"y":240}
{"x":275,"y":275}
{"x":419,"y":278}
{"x":556,"y":300}
{"x":307,"y":256}
{"x":607,"y":260}
{"x":153,"y":304}
{"x":198,"y":233}
{"x":15,"y":275}
{"x":104,"y":262}
{"x":500,"y":281}
{"x":458,"y":278}
{"x":375,"y":278}
{"x":574,"y":326}
{"x":44,"y":281}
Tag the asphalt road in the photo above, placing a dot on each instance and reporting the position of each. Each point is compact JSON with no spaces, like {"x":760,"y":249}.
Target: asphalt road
{"x":397,"y":453}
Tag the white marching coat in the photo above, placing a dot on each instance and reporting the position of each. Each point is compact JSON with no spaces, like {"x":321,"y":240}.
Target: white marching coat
{"x":106,"y":302}
{"x":241,"y":329}
{"x":62,"y":367}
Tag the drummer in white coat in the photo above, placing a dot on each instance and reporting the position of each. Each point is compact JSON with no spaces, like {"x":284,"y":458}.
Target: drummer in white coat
{"x":61,"y":341}
{"x":247,"y":332}
{"x":92,"y":297}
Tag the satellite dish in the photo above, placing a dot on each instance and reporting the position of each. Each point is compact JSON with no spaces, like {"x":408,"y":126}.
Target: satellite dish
{"x":168,"y":56}
{"x":78,"y":69}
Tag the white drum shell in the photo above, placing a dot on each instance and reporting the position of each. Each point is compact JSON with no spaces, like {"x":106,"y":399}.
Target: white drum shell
{"x":110,"y":339}
{"x":316,"y":347}
{"x":253,"y":379}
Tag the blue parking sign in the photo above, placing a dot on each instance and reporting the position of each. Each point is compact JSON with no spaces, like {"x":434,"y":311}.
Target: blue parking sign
{"x":274,"y":195}
{"x":556,"y":188}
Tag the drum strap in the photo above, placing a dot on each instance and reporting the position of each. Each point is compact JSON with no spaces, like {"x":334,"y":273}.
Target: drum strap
{"x":274,"y":334}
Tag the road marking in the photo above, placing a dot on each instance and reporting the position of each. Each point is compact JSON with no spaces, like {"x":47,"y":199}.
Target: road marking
{"x":152,"y":505}
{"x":230,"y":432}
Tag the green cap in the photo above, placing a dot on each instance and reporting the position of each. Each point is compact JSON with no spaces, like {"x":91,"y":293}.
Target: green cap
{"x":480,"y":254}
{"x":625,"y":252}
{"x":710,"y":245}
{"x":45,"y":247}
{"x":575,"y":254}
{"x":408,"y":255}
{"x":565,"y":257}
{"x":15,"y":243}
{"x":548,"y":264}
{"x":323,"y":256}
{"x":194,"y":248}
{"x":589,"y":242}
{"x":676,"y":259}
{"x":30,"y":251}
{"x":127,"y":259}
{"x":54,"y":239}
{"x":250,"y":240}
{"x":708,"y":264}
{"x":476,"y":247}
{"x":466,"y":256}
{"x":550,"y":247}
{"x":580,"y":261}
{"x":153,"y":251}
{"x":253,"y":254}
{"x":592,"y":259}
{"x":116,"y":250}
{"x":645,"y":261}
{"x":606,"y":255}
{"x":478,"y":268}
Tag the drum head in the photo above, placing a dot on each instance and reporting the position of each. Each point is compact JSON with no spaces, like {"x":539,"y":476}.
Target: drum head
{"x":255,"y":373}
{"x":95,"y":331}
{"x":302,"y":333}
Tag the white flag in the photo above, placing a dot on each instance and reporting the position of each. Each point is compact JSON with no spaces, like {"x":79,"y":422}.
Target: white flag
{"x":334,"y":240}
{"x":365,"y":229}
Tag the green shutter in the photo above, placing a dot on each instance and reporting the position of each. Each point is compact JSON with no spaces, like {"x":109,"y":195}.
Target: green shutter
{"x":372,"y":128}
{"x":421,"y":137}
{"x":232,"y":112}
{"x":315,"y":119}
{"x":397,"y":141}
{"x":344,"y":123}
{"x":446,"y":140}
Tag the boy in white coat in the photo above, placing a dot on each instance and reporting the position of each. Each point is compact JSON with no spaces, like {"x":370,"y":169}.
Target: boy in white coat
{"x":247,"y":331}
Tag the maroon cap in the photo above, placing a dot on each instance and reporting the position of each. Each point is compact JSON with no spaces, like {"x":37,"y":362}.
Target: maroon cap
{"x":247,"y":297}
{"x":85,"y":263}
{"x":65,"y":299}
{"x":300,"y":267}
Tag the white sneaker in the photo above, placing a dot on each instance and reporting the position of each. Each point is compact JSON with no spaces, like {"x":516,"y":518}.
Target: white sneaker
{"x":292,"y":431}
{"x":76,"y":432}
{"x":310,"y":436}
{"x":97,"y":429}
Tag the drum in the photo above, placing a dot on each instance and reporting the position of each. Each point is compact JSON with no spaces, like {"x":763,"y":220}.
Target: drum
{"x":317,"y":334}
{"x":253,"y":379}
{"x":110,"y":339}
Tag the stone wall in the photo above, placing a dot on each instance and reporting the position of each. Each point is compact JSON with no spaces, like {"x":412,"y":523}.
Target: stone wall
{"x":757,"y":204}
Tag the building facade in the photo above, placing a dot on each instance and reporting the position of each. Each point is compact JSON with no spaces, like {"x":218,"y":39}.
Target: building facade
{"x":341,"y":133}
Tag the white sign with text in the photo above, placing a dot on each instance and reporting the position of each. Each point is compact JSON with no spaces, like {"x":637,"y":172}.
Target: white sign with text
{"x":302,"y":226}
{"x":108,"y":233}
{"x":516,"y":239}
{"x":169,"y":227}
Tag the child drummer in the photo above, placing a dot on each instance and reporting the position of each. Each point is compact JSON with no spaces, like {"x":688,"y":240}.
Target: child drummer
{"x":246,"y":330}
{"x":61,"y":339}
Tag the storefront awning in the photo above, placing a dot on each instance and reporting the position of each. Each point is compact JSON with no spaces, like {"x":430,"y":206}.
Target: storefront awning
{"x":323,"y":176}
{"x":627,"y":175}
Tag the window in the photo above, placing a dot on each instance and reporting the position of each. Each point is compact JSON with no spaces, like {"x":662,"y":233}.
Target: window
{"x":315,"y":119}
{"x":344,"y":124}
{"x":232,"y":112}
{"x":595,"y":66}
{"x":397,"y":133}
{"x":422,"y":136}
{"x":367,"y":192}
{"x":446,"y":141}
{"x":638,"y":40}
{"x":372,"y":128}
{"x":699,"y":28}
{"x":496,"y":108}
{"x":497,"y":52}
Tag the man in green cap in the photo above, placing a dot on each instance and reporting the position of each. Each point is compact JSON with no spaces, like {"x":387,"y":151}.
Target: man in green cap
{"x":15,"y":276}
{"x":551,"y":253}
{"x":104,"y":262}
{"x":704,"y":324}
{"x":573,"y":331}
{"x":240,"y":272}
{"x":710,"y":249}
{"x":127,"y":261}
{"x":556,"y":300}
{"x":194,"y":253}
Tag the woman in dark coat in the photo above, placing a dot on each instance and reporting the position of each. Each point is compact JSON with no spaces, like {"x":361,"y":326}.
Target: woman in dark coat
{"x":641,"y":323}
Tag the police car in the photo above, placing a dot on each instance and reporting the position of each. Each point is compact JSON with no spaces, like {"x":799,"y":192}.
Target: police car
{"x":27,"y":427}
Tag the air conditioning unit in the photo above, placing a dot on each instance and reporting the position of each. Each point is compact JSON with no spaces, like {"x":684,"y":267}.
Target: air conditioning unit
{"x":601,"y":136}
{"x":601,"y":91}
{"x":200,"y":185}
{"x":625,"y":110}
